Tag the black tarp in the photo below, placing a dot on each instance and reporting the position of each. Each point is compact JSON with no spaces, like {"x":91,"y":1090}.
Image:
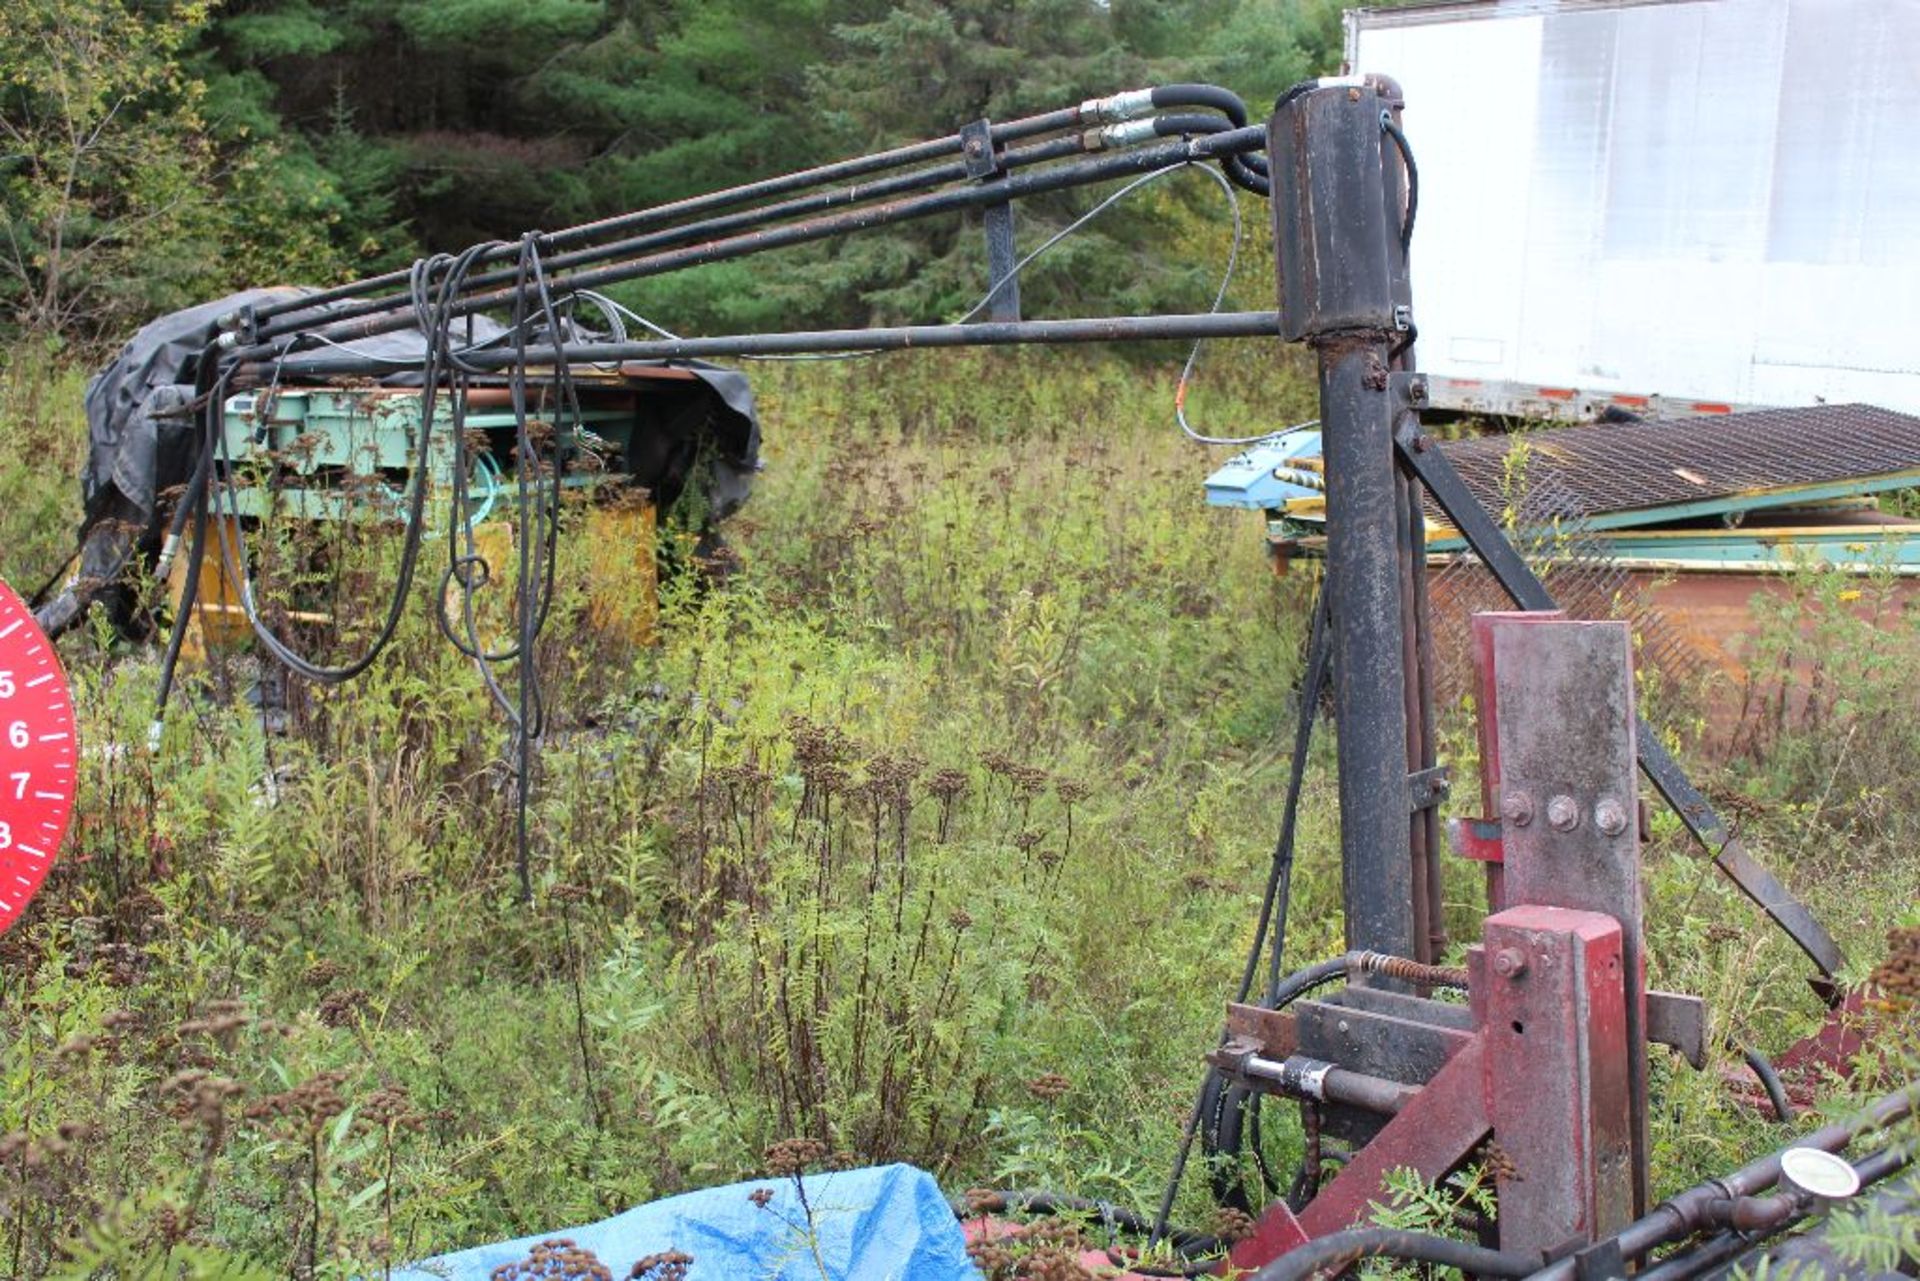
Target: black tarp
{"x":144,"y":439}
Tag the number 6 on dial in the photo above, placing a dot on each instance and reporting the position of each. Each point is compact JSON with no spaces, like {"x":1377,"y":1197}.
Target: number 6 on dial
{"x":37,"y":757}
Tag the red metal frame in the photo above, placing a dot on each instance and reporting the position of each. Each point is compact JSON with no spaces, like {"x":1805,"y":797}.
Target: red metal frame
{"x":1555,"y":1072}
{"x":1552,"y":1068}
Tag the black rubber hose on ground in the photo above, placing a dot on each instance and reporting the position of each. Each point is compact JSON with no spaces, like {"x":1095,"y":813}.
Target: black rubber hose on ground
{"x":1025,"y":1201}
{"x":1770,"y":1081}
{"x":1343,"y":1249}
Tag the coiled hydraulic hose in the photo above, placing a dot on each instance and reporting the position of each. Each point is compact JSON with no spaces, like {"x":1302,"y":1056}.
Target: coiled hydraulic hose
{"x":1248,"y":171}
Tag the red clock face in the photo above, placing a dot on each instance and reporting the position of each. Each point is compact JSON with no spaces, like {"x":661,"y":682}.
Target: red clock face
{"x":36,"y":757}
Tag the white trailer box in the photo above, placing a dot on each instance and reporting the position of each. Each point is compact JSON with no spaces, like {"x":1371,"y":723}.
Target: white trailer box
{"x":1674,"y":206}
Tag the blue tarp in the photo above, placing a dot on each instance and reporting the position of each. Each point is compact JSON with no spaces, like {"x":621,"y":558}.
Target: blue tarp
{"x":889,"y":1223}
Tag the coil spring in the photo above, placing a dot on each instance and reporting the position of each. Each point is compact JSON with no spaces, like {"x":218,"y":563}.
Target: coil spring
{"x":1408,"y":971}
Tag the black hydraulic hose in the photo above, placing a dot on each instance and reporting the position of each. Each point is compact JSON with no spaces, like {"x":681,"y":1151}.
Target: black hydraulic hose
{"x":695,"y":232}
{"x":1024,"y":1201}
{"x":1319,"y":665}
{"x":1058,"y":177}
{"x":1762,"y":1068}
{"x":183,"y":617}
{"x":1222,"y":100}
{"x":207,"y":388}
{"x":1303,"y":981}
{"x":1219,"y":1103}
{"x":1340,"y":1250}
{"x":1400,"y":142}
{"x":1225,"y":101}
{"x":1219,"y":324}
{"x":799,"y":180}
{"x":436,"y":329}
{"x":1247,"y":171}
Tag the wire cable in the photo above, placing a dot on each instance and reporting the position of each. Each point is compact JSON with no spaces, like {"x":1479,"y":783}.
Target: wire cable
{"x":1274,"y":903}
{"x":1193,"y":356}
{"x":1405,"y":148}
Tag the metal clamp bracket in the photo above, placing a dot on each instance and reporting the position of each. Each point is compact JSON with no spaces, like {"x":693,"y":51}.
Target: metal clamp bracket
{"x":1428,"y":788}
{"x":977,"y":150}
{"x":1408,"y":389}
{"x":984,"y":165}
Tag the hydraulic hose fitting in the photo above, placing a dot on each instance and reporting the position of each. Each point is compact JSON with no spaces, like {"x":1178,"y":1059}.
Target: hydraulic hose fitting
{"x":168,"y":550}
{"x":1130,"y":134}
{"x":1119,"y":107}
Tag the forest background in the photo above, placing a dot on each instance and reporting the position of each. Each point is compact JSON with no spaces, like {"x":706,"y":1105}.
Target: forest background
{"x":159,"y":153}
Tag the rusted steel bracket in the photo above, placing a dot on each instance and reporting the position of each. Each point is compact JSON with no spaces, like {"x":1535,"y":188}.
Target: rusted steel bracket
{"x":1517,"y":578}
{"x":984,"y":164}
{"x":1680,"y":1023}
{"x":1674,"y":1019}
{"x":1428,"y":788}
{"x":1556,"y":696}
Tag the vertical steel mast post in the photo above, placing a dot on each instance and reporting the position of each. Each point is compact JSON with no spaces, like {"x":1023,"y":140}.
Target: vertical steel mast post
{"x":1339,"y":263}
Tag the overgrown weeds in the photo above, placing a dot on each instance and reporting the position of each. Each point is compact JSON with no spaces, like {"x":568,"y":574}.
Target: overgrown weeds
{"x":934,"y":833}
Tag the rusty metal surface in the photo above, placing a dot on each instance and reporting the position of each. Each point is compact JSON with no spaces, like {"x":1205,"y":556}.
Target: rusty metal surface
{"x":1275,"y":1032}
{"x":1418,"y":1009}
{"x":1564,"y":725}
{"x":1557,"y":1075}
{"x":1518,"y":579}
{"x":1409,"y":1050}
{"x":1399,"y":1049}
{"x":1610,"y":467}
{"x":1679,"y":1022}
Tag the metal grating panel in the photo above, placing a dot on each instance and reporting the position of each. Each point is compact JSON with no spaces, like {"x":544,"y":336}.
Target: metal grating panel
{"x":1576,"y":568}
{"x":1616,"y":467}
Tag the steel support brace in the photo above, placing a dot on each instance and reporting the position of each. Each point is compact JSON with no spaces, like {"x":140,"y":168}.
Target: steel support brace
{"x":984,"y":165}
{"x":1432,"y":1134}
{"x":1521,"y":584}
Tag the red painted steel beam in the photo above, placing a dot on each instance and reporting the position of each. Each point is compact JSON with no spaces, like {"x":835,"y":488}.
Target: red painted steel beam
{"x":1558,"y":1086}
{"x":1433,"y":1133}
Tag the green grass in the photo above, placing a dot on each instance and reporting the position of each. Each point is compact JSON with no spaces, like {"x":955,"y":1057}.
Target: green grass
{"x":967,"y":778}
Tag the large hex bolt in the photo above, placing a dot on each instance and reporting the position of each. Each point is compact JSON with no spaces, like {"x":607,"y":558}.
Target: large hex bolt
{"x":1563,"y":813}
{"x":1517,"y":808}
{"x":1509,"y":962}
{"x":1610,"y":817}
